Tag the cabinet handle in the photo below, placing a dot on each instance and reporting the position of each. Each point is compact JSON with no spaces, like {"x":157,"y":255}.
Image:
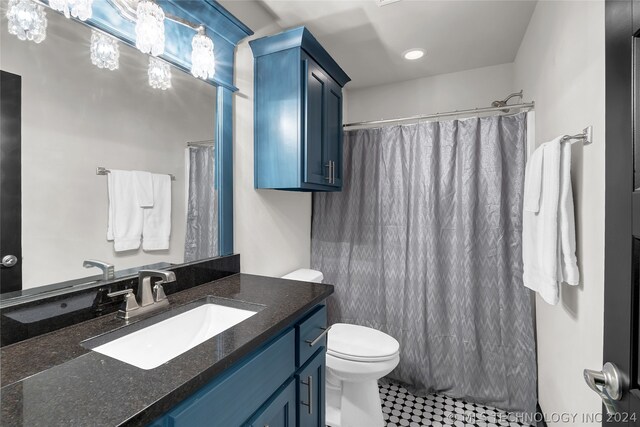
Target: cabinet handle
{"x":328,"y":177}
{"x":333,"y":172}
{"x":333,"y":169}
{"x":309,"y":385}
{"x":318,"y":338}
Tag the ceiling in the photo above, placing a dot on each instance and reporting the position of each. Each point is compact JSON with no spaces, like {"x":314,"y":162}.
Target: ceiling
{"x":368,"y":40}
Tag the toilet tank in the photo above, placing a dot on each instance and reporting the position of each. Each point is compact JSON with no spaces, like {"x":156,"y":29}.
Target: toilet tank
{"x":305,"y":275}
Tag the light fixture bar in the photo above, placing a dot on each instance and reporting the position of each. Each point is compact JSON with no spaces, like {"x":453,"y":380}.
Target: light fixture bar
{"x":126,"y":11}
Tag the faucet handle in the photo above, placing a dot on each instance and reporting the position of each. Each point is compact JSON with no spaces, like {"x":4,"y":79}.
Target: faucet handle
{"x":158,"y":292}
{"x":129,"y":303}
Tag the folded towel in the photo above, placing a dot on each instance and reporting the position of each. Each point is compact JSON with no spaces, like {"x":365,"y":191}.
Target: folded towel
{"x":533,"y":181}
{"x":125,"y":215}
{"x":548,"y":229}
{"x":144,"y":188}
{"x":157,"y":220}
{"x":568,"y":270}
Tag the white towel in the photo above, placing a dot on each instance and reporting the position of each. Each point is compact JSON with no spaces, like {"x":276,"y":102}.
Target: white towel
{"x":157,"y":220}
{"x":548,"y":229}
{"x":568,"y":270}
{"x":144,"y":188}
{"x":125,"y":215}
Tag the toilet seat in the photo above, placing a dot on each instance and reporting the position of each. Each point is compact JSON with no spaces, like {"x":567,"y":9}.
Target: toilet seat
{"x":360,"y":344}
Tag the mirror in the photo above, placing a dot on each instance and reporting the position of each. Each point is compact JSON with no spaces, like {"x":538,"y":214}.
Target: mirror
{"x":62,"y":118}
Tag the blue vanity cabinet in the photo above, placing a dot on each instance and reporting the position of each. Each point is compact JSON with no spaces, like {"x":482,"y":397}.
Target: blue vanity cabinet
{"x":298,"y":113}
{"x":276,"y":385}
{"x":279,"y":411}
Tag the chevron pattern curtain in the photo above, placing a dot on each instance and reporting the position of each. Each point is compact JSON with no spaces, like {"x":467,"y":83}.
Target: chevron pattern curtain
{"x":201,"y":235}
{"x":424,"y":243}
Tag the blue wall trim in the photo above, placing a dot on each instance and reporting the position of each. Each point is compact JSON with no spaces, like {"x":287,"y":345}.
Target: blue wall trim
{"x":224,"y":163}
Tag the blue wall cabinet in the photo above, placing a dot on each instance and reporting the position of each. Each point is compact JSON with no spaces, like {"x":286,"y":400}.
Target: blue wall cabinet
{"x":277,"y":385}
{"x":298,"y":113}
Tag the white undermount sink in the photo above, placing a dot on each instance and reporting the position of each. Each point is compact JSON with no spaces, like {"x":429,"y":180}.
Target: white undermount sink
{"x":160,"y":342}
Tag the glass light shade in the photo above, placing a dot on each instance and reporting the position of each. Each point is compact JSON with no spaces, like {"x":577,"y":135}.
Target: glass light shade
{"x":80,"y":9}
{"x":27,"y":20}
{"x":150,"y":28}
{"x":105,"y":52}
{"x":203,"y":63}
{"x":159,"y":74}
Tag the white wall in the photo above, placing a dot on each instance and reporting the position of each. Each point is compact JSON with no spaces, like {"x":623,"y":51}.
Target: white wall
{"x":272,"y":229}
{"x":561,"y":66}
{"x":444,"y":92}
{"x":76,"y":117}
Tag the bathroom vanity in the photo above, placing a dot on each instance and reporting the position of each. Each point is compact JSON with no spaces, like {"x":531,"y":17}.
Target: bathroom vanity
{"x":265,"y":370}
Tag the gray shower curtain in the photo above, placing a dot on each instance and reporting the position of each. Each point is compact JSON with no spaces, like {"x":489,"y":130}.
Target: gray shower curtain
{"x":201,"y":237}
{"x":424,"y":243}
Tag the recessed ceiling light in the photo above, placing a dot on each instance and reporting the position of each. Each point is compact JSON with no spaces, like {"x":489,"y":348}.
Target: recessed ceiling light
{"x":413,"y":54}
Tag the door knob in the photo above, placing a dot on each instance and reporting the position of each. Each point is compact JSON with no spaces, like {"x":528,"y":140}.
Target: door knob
{"x":607,"y":383}
{"x":9,"y":261}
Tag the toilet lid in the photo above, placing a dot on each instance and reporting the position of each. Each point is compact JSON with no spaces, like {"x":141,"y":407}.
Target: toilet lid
{"x":360,"y":343}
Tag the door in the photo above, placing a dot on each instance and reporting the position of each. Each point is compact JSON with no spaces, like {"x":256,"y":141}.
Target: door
{"x":10,"y":182}
{"x":311,"y":393}
{"x":279,"y":411}
{"x":618,"y":383}
{"x":314,"y":82}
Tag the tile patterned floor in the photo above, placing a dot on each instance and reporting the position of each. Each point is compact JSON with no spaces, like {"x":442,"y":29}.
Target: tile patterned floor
{"x":401,"y":408}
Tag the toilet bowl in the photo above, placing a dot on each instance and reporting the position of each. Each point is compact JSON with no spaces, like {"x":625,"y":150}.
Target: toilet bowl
{"x":357,"y":357}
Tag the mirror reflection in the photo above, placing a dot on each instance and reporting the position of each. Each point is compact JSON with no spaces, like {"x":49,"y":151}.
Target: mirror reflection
{"x":77,"y":102}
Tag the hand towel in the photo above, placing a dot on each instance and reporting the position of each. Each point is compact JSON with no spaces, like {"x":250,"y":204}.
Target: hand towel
{"x":125,"y":215}
{"x":157,"y":220}
{"x":144,"y":188}
{"x":540,"y":228}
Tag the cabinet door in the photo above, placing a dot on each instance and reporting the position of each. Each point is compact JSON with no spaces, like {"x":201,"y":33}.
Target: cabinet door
{"x":314,"y":81}
{"x":279,"y":410}
{"x":310,"y":381}
{"x":333,"y":140}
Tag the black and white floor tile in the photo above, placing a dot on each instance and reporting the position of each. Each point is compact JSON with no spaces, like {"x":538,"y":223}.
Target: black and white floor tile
{"x":401,"y":408}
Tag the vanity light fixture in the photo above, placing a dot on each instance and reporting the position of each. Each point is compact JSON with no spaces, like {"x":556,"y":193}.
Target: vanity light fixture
{"x":159,"y":74}
{"x":150,"y":28}
{"x":105,"y":52}
{"x":413,"y":54}
{"x":27,"y":20}
{"x":203,"y":63}
{"x":81,"y":9}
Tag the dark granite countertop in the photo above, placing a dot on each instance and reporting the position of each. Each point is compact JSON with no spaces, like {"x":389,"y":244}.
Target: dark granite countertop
{"x":53,"y":380}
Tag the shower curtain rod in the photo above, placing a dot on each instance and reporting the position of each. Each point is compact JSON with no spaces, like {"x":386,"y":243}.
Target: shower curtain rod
{"x":205,"y":143}
{"x":505,"y":109}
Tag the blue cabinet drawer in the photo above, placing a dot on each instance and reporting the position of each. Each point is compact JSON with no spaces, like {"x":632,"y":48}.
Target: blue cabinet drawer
{"x":231,"y":399}
{"x":279,"y":410}
{"x":310,"y":334}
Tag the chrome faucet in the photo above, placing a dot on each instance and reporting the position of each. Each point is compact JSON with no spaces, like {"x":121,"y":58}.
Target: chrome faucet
{"x":145,"y":295}
{"x":147,"y":299}
{"x":108,"y":270}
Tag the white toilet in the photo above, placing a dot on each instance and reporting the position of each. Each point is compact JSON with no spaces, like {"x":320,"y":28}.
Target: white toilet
{"x":357,"y":357}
